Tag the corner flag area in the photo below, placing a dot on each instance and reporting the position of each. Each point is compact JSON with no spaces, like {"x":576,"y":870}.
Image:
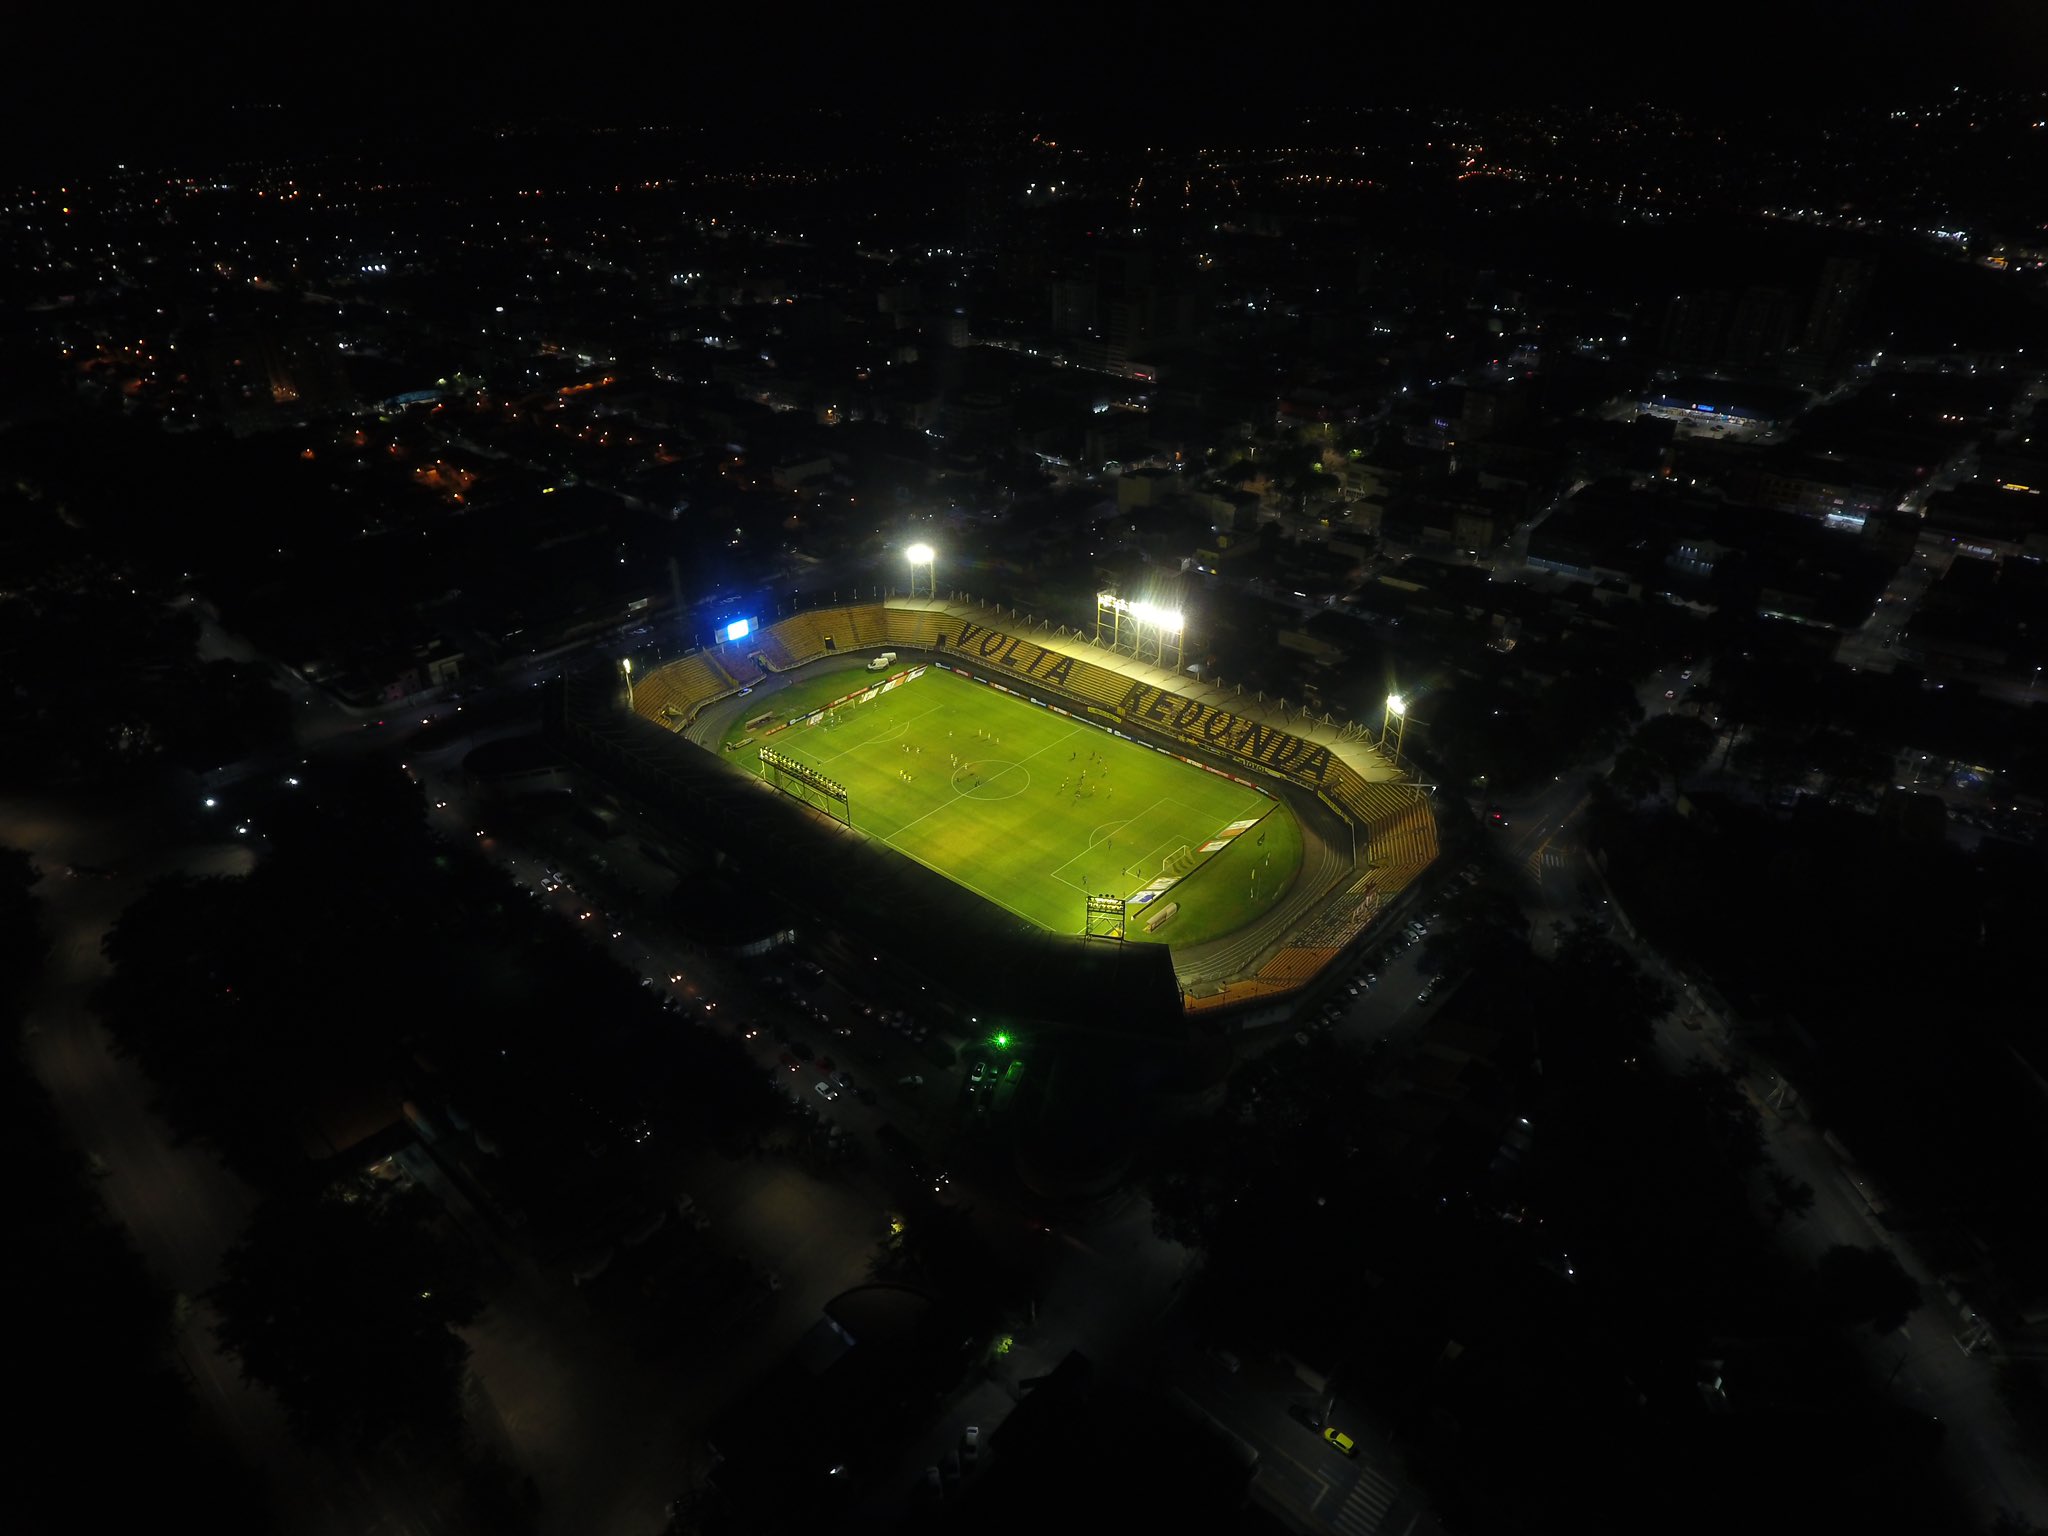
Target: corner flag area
{"x":1033,"y":808}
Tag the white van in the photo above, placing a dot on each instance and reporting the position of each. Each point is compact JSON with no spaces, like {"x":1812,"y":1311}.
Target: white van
{"x":883,"y":662}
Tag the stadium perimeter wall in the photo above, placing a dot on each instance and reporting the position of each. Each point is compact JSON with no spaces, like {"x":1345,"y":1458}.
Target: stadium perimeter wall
{"x":977,"y":955}
{"x":1394,"y":831}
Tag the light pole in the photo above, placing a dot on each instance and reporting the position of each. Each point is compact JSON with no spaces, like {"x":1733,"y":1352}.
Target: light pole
{"x":923,"y":555}
{"x":627,"y":663}
{"x":1396,"y":721}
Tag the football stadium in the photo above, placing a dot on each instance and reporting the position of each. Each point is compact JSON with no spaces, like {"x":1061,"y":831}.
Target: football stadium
{"x":1032,"y":820}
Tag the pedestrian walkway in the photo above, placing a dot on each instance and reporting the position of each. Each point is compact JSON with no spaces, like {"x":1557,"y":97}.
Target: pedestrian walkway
{"x":1370,"y":1499}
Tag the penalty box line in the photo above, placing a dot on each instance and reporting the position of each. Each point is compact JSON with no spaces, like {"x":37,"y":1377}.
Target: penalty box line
{"x":1059,"y":872}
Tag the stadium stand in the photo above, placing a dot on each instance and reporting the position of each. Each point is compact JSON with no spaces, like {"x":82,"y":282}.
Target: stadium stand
{"x":911,"y":627}
{"x":867,"y":624}
{"x":805,"y":634}
{"x":1404,"y":846}
{"x":1097,"y":685}
{"x":673,"y":694}
{"x":742,"y":668}
{"x":772,"y":653}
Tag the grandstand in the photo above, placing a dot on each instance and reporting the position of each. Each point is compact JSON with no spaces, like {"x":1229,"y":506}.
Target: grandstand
{"x":769,"y":650}
{"x":911,"y":627}
{"x":673,"y":694}
{"x":1387,"y":824}
{"x":742,"y":668}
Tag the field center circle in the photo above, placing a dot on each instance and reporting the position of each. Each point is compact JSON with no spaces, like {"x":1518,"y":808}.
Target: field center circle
{"x":978,"y":782}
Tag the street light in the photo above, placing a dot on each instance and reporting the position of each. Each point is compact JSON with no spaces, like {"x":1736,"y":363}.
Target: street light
{"x":923,"y":555}
{"x":627,"y":663}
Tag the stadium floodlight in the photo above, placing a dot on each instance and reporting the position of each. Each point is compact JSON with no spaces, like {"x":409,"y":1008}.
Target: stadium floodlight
{"x":1396,"y":721}
{"x":919,"y":554}
{"x":921,"y":557}
{"x":1168,"y":619}
{"x":1396,"y":705}
{"x":627,"y":663}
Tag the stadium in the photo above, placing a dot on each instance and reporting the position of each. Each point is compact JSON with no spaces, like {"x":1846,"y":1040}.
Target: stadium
{"x":1031,"y":821}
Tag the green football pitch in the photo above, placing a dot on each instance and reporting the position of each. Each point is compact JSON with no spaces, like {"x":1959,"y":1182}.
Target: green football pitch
{"x":1033,"y":809}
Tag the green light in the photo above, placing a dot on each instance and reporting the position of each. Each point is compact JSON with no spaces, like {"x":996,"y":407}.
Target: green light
{"x":1001,"y":1041}
{"x":1004,"y":1344}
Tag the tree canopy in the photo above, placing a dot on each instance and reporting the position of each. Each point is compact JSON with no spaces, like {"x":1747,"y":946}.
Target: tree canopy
{"x":344,"y":1305}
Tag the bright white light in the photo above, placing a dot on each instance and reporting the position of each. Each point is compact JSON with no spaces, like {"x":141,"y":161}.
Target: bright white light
{"x":211,"y":802}
{"x":1396,"y":705}
{"x":919,"y":554}
{"x":1167,"y":619}
{"x":627,"y":663}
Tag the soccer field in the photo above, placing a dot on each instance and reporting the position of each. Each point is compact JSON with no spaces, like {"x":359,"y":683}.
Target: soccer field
{"x":1033,"y":809}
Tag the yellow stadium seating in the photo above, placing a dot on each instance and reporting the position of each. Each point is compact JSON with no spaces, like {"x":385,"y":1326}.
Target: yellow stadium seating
{"x":673,"y":694}
{"x":774,"y":655}
{"x":911,"y":627}
{"x":739,"y":664}
{"x":866,"y":623}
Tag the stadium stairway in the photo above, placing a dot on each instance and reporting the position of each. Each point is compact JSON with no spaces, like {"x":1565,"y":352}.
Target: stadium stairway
{"x":867,"y":622}
{"x":742,"y":668}
{"x":771,"y":653}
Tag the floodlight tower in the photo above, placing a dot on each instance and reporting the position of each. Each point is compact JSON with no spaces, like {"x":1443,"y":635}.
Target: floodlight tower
{"x":1396,"y":720}
{"x":1166,"y":625}
{"x":626,"y":662}
{"x":923,"y":556}
{"x":1153,"y":628}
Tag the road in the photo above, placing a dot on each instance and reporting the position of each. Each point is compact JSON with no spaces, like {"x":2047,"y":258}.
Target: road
{"x":180,"y":1206}
{"x":1925,"y":1364}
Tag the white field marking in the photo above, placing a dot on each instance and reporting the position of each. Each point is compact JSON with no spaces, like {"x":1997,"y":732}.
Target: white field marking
{"x":1107,"y":829}
{"x":962,"y":794}
{"x":900,"y":725}
{"x":1057,"y":872}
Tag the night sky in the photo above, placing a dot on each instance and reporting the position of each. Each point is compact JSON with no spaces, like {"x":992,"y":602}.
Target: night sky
{"x":157,"y":85}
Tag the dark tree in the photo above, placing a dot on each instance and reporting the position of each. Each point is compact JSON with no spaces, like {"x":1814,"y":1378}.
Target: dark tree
{"x":1636,"y":774}
{"x":1789,"y":1196}
{"x":1604,"y":1006}
{"x":1866,"y":1285}
{"x":22,"y":939}
{"x":1679,"y":744}
{"x":345,"y":1306}
{"x":1482,"y":927}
